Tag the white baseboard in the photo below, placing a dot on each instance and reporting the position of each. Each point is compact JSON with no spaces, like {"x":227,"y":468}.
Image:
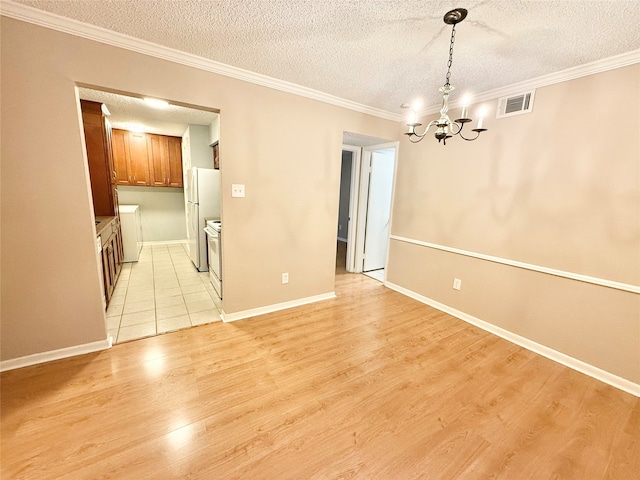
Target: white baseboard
{"x":232,"y":317}
{"x":43,"y":357}
{"x":165,"y":242}
{"x":573,"y":363}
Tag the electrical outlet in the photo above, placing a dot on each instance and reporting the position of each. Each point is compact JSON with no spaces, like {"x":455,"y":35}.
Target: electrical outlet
{"x":457,"y":283}
{"x":237,"y":190}
{"x":285,"y":278}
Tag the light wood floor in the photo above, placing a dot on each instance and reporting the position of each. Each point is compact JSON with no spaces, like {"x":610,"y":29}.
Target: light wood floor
{"x":371,"y":385}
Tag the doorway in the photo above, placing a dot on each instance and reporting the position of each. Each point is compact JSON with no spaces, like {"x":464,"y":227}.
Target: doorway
{"x":378,"y":211}
{"x":159,"y":288}
{"x":366,"y":191}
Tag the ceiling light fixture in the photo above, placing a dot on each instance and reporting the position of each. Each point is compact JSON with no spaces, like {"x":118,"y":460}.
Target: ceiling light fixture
{"x":155,"y":103}
{"x":445,"y":128}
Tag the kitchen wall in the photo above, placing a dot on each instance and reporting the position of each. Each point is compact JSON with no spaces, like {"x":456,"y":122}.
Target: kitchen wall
{"x":286,"y":222}
{"x":162,"y":211}
{"x":201,"y":152}
{"x":553,"y":189}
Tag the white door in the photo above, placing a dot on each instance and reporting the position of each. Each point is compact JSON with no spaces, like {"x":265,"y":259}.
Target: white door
{"x":378,"y":209}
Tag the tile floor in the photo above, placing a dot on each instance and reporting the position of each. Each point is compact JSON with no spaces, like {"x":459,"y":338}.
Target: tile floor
{"x":160,"y":293}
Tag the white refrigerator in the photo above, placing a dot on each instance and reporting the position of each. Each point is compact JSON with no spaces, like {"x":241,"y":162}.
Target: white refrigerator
{"x":202,"y":203}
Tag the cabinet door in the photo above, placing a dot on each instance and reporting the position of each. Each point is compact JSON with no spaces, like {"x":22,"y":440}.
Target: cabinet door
{"x":158,"y":154}
{"x":174,"y":163}
{"x":96,"y":129}
{"x":120,"y":147}
{"x":138,"y":158}
{"x":117,"y":246}
{"x":107,"y":271}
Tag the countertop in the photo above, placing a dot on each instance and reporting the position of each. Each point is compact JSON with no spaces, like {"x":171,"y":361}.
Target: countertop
{"x":102,"y":223}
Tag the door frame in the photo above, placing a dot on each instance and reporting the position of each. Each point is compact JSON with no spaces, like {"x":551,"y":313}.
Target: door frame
{"x":356,"y":155}
{"x":363,"y":201}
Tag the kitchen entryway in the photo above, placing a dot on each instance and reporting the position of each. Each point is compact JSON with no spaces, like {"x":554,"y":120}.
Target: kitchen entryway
{"x":160,"y":293}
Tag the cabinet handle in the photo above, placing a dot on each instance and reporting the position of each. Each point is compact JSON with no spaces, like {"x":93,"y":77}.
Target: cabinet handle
{"x":115,"y":175}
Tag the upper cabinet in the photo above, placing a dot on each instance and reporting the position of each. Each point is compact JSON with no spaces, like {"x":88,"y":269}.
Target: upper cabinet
{"x":174,"y":165}
{"x":98,"y":138}
{"x":121,"y":156}
{"x":138,"y":159}
{"x":158,"y":153}
{"x":144,"y":159}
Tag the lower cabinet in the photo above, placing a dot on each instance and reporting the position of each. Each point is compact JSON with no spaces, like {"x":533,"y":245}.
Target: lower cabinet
{"x":111,"y":238}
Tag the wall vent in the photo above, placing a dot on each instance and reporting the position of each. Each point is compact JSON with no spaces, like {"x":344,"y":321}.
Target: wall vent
{"x":515,"y":104}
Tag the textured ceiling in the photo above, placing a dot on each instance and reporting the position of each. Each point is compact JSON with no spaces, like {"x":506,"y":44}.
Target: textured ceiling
{"x":124,"y":110}
{"x":378,"y":53}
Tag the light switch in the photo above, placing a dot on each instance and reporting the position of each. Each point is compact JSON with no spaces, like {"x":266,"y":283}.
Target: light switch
{"x":237,"y":190}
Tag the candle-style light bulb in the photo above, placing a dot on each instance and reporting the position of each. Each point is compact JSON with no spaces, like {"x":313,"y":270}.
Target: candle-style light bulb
{"x":480,"y":118}
{"x":465,"y":107}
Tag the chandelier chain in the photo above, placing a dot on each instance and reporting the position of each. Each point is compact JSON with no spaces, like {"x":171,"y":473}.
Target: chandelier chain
{"x":450,"y":62}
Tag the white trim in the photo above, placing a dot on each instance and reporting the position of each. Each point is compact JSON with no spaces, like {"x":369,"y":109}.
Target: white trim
{"x":32,"y":15}
{"x":598,"y":66}
{"x":363,"y":200}
{"x":28,"y":14}
{"x":232,"y":317}
{"x":527,"y":266}
{"x":559,"y":357}
{"x":165,"y":242}
{"x":67,"y":352}
{"x":356,"y":159}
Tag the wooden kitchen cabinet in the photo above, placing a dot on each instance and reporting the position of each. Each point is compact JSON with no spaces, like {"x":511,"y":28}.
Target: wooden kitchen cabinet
{"x":147,"y":159}
{"x":109,"y":232}
{"x":120,"y":142}
{"x":138,"y":159}
{"x":130,"y":158}
{"x":174,"y":165}
{"x":98,"y":142}
{"x":158,"y":155}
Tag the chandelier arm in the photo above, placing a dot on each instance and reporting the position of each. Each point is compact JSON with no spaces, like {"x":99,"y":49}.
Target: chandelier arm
{"x":426,"y":129}
{"x":470,"y":139}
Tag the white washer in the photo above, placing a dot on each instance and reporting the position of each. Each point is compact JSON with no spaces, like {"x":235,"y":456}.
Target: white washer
{"x":131,"y":231}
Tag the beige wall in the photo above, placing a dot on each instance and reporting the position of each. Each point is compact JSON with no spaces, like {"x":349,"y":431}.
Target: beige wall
{"x":285,"y":149}
{"x":557,"y":188}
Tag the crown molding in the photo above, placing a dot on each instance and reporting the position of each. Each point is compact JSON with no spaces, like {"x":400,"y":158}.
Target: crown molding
{"x":32,"y":15}
{"x":35,"y":16}
{"x":599,"y":66}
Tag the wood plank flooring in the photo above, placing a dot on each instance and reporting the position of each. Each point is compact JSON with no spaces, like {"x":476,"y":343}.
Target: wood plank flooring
{"x":371,"y":385}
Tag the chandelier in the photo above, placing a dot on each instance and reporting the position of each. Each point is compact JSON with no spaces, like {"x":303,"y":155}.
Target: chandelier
{"x":445,"y":128}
